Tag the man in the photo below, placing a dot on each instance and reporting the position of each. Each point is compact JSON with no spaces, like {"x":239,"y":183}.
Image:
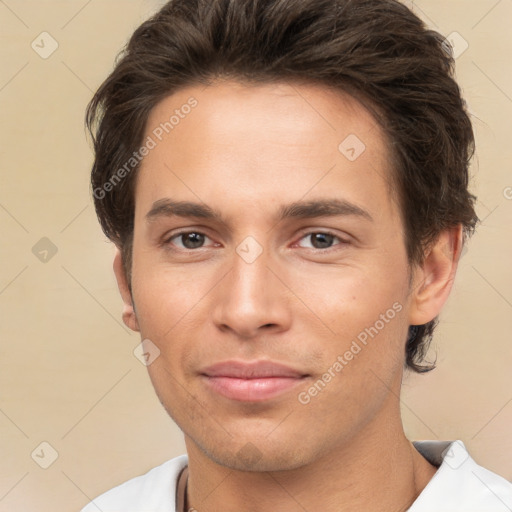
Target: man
{"x":286,"y":183}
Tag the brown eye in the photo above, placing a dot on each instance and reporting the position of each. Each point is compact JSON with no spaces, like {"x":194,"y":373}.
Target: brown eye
{"x":188,"y":240}
{"x":192,"y":240}
{"x":319,"y":240}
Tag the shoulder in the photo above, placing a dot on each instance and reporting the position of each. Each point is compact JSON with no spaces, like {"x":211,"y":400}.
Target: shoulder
{"x":154,"y":491}
{"x":460,"y":484}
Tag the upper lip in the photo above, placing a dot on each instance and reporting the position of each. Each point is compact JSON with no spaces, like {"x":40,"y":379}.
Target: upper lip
{"x":251,"y":370}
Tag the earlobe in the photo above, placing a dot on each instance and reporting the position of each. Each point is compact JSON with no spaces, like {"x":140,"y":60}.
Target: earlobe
{"x":434,"y":277}
{"x":129,"y":315}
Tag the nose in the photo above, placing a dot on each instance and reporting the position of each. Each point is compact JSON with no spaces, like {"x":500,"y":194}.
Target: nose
{"x":251,"y":299}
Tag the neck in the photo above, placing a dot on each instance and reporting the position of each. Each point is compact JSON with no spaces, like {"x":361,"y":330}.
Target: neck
{"x":371,"y":472}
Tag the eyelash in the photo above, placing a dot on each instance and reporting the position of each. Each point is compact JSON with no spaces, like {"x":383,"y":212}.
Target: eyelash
{"x":342,"y":241}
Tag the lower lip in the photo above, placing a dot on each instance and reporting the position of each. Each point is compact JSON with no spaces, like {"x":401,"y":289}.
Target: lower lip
{"x":252,"y":390}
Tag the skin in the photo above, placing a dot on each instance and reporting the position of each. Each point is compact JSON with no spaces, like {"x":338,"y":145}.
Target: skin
{"x":245,"y":151}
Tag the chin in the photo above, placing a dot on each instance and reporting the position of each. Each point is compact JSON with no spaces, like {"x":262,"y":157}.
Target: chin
{"x":256,"y":456}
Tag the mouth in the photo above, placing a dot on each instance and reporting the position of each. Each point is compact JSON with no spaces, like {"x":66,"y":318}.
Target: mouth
{"x":252,"y":381}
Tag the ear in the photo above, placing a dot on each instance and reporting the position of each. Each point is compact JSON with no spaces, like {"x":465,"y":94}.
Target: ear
{"x":129,"y":315}
{"x":433,"y":279}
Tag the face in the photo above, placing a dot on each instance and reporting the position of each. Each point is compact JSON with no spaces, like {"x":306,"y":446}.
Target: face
{"x":291,"y":254}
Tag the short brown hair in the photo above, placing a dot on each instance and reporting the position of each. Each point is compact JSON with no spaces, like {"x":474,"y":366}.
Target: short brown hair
{"x":376,"y":50}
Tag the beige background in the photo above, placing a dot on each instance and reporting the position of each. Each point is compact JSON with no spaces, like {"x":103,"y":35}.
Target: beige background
{"x":68,"y":375}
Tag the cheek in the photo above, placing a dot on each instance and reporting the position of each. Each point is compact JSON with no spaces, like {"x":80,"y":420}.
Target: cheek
{"x":165,"y":297}
{"x":365,"y":310}
{"x":346,"y":300}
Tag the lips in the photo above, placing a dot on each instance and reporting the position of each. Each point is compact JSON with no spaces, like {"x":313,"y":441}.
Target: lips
{"x":251,"y":381}
{"x":251,"y":370}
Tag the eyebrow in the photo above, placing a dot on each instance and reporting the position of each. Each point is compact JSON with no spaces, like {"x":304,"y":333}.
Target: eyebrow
{"x":167,"y":207}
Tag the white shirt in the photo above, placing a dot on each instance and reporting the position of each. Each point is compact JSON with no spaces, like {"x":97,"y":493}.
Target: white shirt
{"x":459,"y":485}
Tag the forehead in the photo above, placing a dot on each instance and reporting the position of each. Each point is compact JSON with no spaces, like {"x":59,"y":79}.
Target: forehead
{"x":316,"y":111}
{"x":263,"y":142}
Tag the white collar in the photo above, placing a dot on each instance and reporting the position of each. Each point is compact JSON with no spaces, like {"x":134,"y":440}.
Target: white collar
{"x":460,"y":484}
